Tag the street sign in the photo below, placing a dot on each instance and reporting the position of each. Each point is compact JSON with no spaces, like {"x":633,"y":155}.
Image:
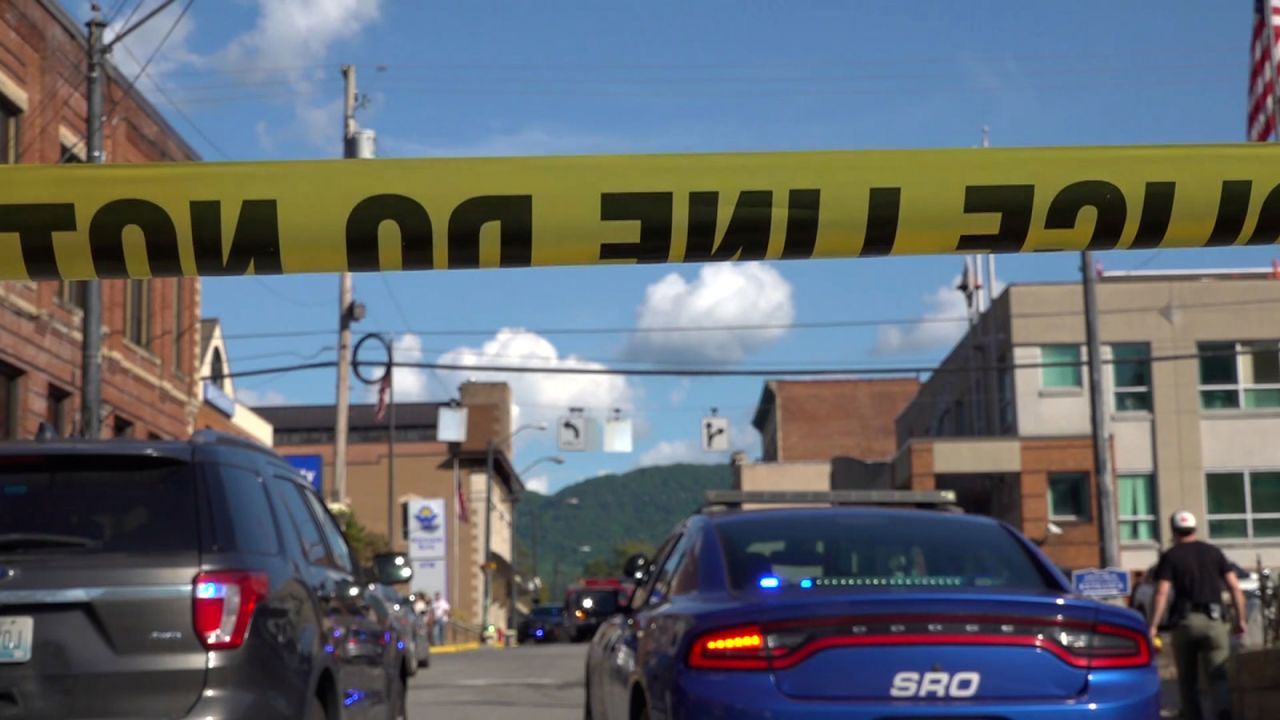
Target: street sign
{"x":310,"y":467}
{"x":571,"y":433}
{"x":1095,"y":583}
{"x":715,"y":434}
{"x":617,"y":435}
{"x":451,"y":424}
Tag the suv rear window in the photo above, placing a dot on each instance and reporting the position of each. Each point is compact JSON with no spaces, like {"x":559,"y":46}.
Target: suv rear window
{"x":97,"y":504}
{"x":857,"y":550}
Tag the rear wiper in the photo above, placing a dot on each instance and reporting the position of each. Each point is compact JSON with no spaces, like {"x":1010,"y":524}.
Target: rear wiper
{"x":18,"y":541}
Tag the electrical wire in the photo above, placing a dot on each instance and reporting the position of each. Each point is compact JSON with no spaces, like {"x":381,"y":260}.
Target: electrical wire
{"x":181,"y":113}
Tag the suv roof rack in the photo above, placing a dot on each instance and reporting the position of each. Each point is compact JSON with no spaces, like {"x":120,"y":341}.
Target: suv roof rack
{"x":923,"y":499}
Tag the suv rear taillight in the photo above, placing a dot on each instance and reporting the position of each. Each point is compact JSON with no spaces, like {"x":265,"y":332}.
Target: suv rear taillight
{"x":784,"y":645}
{"x":222,"y":605}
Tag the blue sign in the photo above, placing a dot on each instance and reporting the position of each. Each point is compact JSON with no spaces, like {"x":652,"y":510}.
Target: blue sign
{"x":1095,"y":583}
{"x":311,"y":467}
{"x":219,"y":399}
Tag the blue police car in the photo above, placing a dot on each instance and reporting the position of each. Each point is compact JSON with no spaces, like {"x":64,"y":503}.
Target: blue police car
{"x":859,"y":610}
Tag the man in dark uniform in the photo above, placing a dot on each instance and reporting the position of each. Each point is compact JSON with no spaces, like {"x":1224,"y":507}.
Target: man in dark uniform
{"x":1197,"y":572}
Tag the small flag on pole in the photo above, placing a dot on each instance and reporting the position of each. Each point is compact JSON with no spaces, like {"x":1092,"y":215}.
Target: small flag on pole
{"x":1262,"y":71}
{"x":384,"y":397}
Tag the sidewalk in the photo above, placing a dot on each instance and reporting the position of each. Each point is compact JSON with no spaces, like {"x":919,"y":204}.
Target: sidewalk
{"x":454,"y":648}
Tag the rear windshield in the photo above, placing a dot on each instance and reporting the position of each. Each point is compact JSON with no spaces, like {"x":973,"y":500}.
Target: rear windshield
{"x":595,"y":602}
{"x":94,"y":504}
{"x":852,"y":551}
{"x":547,"y":612}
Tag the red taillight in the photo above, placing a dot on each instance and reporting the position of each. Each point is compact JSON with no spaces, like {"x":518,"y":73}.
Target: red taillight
{"x":222,"y":605}
{"x":739,"y":648}
{"x":784,"y":645}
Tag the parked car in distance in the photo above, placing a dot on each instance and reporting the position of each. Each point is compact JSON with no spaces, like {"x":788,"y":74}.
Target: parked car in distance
{"x":201,"y":579}
{"x":545,"y":623}
{"x":410,"y":626}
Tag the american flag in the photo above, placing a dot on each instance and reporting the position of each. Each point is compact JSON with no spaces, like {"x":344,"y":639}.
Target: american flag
{"x":1262,"y":80}
{"x":384,"y":397}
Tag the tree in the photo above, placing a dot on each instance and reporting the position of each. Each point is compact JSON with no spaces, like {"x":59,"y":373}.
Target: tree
{"x":364,"y":543}
{"x":611,"y":565}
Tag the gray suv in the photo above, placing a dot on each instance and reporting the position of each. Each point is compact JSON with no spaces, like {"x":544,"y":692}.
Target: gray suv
{"x":183,"y":579}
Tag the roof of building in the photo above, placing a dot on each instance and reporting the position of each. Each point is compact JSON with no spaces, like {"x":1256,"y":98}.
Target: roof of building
{"x":208,"y":326}
{"x":322,"y":417}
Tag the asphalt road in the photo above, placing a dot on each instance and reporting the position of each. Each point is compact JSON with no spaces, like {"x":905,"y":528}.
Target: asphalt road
{"x":535,"y":682}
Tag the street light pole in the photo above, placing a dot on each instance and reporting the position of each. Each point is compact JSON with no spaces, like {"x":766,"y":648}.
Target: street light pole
{"x":489,"y":459}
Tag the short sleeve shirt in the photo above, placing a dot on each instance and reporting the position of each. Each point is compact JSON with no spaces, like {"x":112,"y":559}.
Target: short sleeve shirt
{"x":1195,"y":570}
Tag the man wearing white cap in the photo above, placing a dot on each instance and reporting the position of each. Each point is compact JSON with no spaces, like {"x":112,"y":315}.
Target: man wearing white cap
{"x":1196,"y":573}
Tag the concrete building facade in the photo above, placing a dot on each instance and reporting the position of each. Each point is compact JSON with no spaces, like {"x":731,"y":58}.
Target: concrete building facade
{"x":151,"y":327}
{"x":426,"y":468}
{"x":1192,"y":392}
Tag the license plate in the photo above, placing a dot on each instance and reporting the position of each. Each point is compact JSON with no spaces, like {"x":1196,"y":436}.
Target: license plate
{"x":15,"y":639}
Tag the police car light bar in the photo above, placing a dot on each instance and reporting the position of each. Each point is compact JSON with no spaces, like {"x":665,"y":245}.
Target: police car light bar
{"x":941,"y":499}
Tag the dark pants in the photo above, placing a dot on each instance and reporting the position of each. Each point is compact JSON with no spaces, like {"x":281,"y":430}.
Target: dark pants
{"x":1198,"y":641}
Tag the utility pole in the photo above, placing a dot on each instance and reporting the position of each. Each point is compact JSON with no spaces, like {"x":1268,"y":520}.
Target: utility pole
{"x":342,"y":420}
{"x":1107,"y":527}
{"x":91,"y":329}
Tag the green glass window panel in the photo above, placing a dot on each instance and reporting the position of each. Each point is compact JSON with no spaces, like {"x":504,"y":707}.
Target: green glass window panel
{"x":1219,"y":399}
{"x":1132,"y":367}
{"x":1266,"y":528}
{"x":1226,"y":493}
{"x":1137,"y":530}
{"x":1217,"y":364}
{"x":1219,"y":529}
{"x":1130,"y":400}
{"x":1055,"y":375}
{"x":1135,"y":495}
{"x":1261,"y":398}
{"x":1264,"y":489}
{"x":1068,"y":495}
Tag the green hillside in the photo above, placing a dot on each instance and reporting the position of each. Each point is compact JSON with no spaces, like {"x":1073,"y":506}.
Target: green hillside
{"x":639,"y":507}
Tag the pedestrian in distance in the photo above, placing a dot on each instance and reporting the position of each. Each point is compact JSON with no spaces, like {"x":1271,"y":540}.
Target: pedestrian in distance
{"x":441,"y":610}
{"x":1196,"y":573}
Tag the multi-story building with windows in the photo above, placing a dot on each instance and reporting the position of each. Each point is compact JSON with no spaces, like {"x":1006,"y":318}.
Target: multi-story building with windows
{"x":1192,"y":392}
{"x":151,"y":328}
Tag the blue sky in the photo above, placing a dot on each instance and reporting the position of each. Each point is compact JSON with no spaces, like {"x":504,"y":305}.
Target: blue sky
{"x":259,"y":79}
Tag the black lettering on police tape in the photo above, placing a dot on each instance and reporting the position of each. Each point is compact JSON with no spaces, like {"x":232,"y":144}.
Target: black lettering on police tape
{"x":1267,"y":231}
{"x":35,"y":225}
{"x":409,"y":216}
{"x":106,"y":238}
{"x":255,"y":240}
{"x":1104,"y":197}
{"x":1233,"y":208}
{"x":1157,"y":211}
{"x":746,"y":237}
{"x":883,"y":209}
{"x":514,"y":215}
{"x":802,"y":224}
{"x":1013,"y":202}
{"x":653,"y":211}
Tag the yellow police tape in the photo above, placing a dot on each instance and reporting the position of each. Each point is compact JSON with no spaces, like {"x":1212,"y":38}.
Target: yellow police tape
{"x":75,"y":222}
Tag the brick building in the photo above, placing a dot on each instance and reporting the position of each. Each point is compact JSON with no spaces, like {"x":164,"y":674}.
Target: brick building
{"x":151,"y":337}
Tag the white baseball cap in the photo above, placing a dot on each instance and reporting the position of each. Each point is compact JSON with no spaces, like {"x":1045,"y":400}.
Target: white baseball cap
{"x":1183,"y":520}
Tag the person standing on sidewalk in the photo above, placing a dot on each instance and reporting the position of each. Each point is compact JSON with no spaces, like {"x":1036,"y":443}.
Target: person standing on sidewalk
{"x":442,"y":610}
{"x":1196,"y":572}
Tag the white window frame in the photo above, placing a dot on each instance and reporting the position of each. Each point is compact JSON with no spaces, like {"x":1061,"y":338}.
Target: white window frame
{"x":1248,"y":516}
{"x":1239,"y":387}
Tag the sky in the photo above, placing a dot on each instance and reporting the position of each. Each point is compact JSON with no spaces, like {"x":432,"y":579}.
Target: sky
{"x":251,"y":80}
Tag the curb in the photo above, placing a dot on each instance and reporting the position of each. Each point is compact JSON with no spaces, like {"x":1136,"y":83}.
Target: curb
{"x":454,"y":648}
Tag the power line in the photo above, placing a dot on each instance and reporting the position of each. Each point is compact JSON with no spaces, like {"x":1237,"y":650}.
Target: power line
{"x":182,"y":113}
{"x":731,"y":373}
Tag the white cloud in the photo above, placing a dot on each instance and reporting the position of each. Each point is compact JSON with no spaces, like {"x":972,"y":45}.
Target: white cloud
{"x":675,"y":452}
{"x":291,"y":40}
{"x":538,"y":397}
{"x":723,"y":294}
{"x":537,"y":484}
{"x":681,"y":391}
{"x":942,"y":326}
{"x":140,"y":44}
{"x":261,"y":398}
